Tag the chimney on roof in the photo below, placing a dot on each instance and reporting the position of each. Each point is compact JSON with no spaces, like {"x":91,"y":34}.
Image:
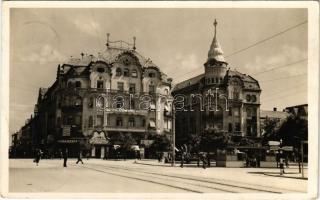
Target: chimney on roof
{"x":274,"y":109}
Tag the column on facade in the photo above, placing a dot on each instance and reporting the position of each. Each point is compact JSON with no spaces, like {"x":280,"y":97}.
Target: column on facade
{"x":93,"y":151}
{"x":102,"y":152}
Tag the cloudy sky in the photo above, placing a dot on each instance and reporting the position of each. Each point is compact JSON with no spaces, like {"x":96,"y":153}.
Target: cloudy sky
{"x":177,"y":40}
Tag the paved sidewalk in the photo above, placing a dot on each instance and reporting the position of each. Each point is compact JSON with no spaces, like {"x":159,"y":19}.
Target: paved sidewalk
{"x":24,"y":176}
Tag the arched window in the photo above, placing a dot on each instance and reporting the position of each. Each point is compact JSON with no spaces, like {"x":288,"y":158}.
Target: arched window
{"x":100,"y":102}
{"x":134,"y":73}
{"x":131,"y":122}
{"x":118,"y":72}
{"x":119,"y":121}
{"x":126,"y":72}
{"x":90,"y":121}
{"x":119,"y":102}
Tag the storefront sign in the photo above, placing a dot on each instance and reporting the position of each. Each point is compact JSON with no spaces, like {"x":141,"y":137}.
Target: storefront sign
{"x":68,"y":141}
{"x":274,"y":143}
{"x":147,"y":143}
{"x":287,"y":148}
{"x":274,"y":148}
{"x":98,"y":138}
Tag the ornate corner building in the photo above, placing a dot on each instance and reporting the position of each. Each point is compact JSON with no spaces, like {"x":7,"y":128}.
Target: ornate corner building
{"x":221,"y":99}
{"x":96,"y":99}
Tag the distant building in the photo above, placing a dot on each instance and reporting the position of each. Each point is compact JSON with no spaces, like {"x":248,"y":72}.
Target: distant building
{"x":235,"y":104}
{"x":278,"y":116}
{"x":298,"y":110}
{"x":95,"y":100}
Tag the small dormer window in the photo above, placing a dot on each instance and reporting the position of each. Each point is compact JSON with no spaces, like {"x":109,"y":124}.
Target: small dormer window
{"x":126,"y":72}
{"x":118,"y":72}
{"x":152,"y":75}
{"x":253,"y":98}
{"x":134,"y":73}
{"x":100,"y":69}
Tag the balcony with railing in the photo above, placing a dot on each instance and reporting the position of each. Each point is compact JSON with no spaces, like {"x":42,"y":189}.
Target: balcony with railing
{"x":140,"y":129}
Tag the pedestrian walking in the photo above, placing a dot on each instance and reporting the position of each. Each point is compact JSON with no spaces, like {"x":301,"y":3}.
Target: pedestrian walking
{"x":183,"y":155}
{"x":282,"y":166}
{"x":287,"y":162}
{"x":37,"y":156}
{"x":79,"y":158}
{"x":65,"y":158}
{"x":203,"y":159}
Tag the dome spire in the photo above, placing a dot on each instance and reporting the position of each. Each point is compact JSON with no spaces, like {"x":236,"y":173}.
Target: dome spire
{"x":215,"y":28}
{"x":215,"y":51}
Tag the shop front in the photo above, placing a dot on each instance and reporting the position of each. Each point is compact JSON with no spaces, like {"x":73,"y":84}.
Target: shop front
{"x":99,"y":143}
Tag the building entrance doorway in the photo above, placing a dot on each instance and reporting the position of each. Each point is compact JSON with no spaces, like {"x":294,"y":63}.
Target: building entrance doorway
{"x":98,"y":152}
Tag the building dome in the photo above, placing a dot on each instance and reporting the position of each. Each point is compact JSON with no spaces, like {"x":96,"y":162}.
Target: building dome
{"x":215,"y":52}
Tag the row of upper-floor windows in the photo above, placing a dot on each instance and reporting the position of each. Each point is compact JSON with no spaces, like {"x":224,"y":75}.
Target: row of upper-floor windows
{"x":120,"y":86}
{"x":119,"y":122}
{"x":126,"y":72}
{"x":214,"y":80}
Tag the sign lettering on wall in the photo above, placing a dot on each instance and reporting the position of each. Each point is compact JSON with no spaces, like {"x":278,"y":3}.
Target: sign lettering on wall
{"x":66,"y":130}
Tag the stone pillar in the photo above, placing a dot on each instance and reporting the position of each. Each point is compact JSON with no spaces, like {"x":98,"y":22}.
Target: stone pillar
{"x":93,"y":151}
{"x":102,"y":152}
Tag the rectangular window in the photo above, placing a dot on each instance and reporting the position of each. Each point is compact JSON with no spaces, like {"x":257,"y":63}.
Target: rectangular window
{"x":152,"y":123}
{"x":131,"y":122}
{"x":120,"y":86}
{"x":230,"y":111}
{"x":119,"y":121}
{"x":99,"y":120}
{"x":238,"y":126}
{"x":236,"y":112}
{"x":90,"y":103}
{"x":100,"y":84}
{"x":77,"y":120}
{"x":152,"y":89}
{"x":132,"y":88}
{"x":230,"y":128}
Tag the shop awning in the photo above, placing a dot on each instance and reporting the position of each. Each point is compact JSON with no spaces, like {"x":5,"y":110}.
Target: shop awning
{"x":152,"y":124}
{"x":135,"y":147}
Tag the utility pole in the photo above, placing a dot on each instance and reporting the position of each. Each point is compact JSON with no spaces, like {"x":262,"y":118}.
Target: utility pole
{"x":173,"y":135}
{"x":302,"y":155}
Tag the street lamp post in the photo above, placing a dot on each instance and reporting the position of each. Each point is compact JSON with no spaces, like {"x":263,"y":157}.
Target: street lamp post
{"x":173,"y":135}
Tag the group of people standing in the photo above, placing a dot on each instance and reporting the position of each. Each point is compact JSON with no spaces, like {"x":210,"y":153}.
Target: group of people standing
{"x":63,"y":154}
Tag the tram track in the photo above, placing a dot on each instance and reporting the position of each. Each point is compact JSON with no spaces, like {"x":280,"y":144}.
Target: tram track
{"x":189,"y":184}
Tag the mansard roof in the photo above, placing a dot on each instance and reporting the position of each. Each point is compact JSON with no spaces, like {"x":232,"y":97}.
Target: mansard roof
{"x":188,"y":82}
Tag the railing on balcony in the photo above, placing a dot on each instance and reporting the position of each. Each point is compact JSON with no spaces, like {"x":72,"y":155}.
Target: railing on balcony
{"x":126,"y":128}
